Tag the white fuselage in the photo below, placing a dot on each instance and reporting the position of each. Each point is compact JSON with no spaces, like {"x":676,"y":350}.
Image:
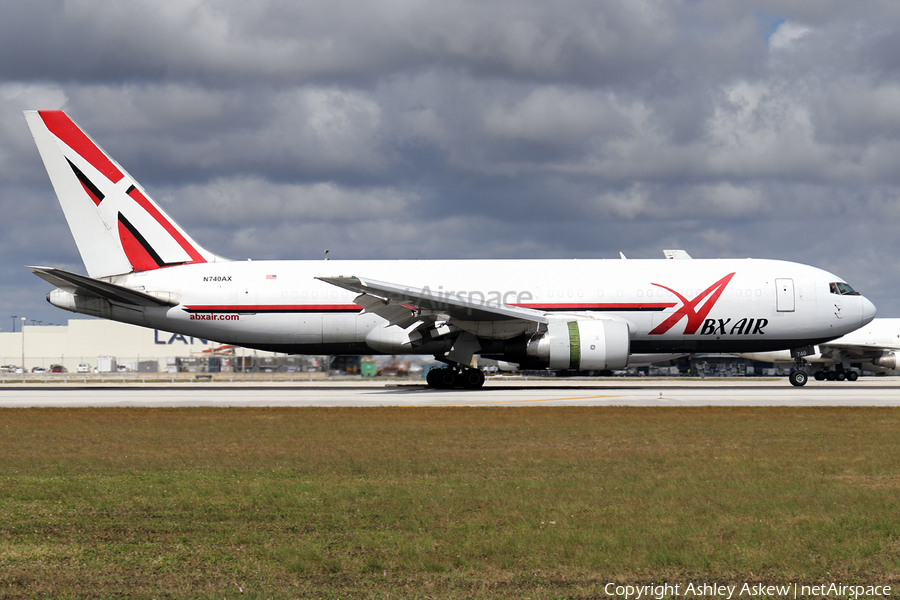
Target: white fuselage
{"x":670,"y":305}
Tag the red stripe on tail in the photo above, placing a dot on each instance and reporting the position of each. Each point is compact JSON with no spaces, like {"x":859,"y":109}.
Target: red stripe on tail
{"x":62,"y":127}
{"x":140,"y":259}
{"x":138,"y":197}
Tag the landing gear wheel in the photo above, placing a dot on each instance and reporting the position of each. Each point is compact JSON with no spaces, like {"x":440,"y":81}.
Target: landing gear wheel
{"x":820,"y":375}
{"x":841,"y":376}
{"x":831,"y":376}
{"x":472,"y":378}
{"x":441,"y":378}
{"x":798,"y":378}
{"x":433,"y":378}
{"x":447,"y":378}
{"x":852,"y":376}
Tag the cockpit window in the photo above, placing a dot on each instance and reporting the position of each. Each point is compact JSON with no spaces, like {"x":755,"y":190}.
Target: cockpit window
{"x":843,"y":289}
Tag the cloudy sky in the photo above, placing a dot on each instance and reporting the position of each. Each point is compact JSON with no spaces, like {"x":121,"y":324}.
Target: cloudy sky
{"x":464,"y":129}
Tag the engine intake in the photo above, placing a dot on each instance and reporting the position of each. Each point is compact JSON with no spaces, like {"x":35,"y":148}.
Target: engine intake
{"x":583,"y":345}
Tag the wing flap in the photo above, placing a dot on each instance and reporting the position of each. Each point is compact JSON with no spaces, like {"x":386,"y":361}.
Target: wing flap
{"x":457,"y":306}
{"x":862,"y":349}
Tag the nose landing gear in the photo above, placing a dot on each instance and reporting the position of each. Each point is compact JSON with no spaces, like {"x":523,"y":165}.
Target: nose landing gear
{"x":798,"y":378}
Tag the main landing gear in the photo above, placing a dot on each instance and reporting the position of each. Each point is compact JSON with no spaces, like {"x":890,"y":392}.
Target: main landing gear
{"x":798,"y":376}
{"x":454,"y":377}
{"x":836,"y":375}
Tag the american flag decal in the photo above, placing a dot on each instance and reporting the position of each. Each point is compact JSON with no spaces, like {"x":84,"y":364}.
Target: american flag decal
{"x":271,"y":276}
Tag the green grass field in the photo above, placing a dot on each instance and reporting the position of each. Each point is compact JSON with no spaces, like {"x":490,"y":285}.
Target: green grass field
{"x":442,"y":502}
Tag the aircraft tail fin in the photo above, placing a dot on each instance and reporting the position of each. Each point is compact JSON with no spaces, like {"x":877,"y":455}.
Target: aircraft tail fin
{"x":117,"y":227}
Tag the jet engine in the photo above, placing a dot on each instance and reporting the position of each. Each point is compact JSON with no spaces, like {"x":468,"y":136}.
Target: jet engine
{"x":887,"y":360}
{"x":584,"y":345}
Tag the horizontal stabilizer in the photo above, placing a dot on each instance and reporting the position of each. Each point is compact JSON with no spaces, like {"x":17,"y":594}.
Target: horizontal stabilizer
{"x":83,"y":285}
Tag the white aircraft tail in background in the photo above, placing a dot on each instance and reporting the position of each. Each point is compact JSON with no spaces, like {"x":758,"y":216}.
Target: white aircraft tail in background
{"x":874,"y":347}
{"x":586,"y":315}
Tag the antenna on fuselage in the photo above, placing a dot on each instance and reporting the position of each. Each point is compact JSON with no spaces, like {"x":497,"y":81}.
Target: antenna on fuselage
{"x":326,"y":254}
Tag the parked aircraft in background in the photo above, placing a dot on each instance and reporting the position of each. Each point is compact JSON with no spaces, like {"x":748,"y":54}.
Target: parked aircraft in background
{"x":875,"y":347}
{"x":560,"y":314}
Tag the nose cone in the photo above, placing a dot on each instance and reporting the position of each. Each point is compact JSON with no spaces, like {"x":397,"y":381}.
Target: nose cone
{"x":868,"y":311}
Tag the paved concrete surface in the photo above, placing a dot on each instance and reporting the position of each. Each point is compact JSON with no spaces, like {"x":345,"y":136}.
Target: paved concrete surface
{"x":868,"y":391}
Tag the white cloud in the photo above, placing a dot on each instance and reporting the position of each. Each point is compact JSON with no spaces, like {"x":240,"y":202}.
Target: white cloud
{"x":726,"y":200}
{"x":555,"y":116}
{"x":626,"y":204}
{"x":251,"y":200}
{"x":786,"y":34}
{"x":471,"y":128}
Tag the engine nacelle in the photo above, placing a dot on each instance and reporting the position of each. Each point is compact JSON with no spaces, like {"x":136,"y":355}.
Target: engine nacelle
{"x":887,"y":360}
{"x":583,"y":345}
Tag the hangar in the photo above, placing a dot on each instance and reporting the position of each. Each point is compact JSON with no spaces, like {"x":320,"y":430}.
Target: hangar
{"x":107,"y":346}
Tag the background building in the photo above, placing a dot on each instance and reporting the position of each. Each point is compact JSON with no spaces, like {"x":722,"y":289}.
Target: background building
{"x":110,"y":346}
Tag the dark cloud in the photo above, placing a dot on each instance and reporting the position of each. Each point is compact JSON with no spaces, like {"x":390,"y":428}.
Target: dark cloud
{"x":470,"y":129}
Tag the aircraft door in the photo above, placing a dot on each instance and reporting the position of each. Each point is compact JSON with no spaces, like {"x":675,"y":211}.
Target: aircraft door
{"x":784,"y":295}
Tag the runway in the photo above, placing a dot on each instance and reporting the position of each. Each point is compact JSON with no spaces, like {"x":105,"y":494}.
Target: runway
{"x":868,"y":391}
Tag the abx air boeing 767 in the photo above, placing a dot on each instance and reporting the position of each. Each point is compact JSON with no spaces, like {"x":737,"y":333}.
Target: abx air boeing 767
{"x":142,"y":268}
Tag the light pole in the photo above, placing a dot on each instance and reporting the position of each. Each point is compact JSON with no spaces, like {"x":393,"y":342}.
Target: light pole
{"x":23,"y":347}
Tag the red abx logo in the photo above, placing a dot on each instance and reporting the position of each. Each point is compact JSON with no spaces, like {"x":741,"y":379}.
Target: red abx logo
{"x":693,"y":310}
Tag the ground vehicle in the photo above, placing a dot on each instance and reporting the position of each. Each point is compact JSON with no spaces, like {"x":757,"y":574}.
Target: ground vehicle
{"x":84,"y":368}
{"x":58,"y":369}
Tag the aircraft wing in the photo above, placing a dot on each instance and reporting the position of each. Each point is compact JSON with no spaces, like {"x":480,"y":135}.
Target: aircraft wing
{"x":837,"y":350}
{"x":88,"y":286}
{"x":861,"y":348}
{"x":455,"y":306}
